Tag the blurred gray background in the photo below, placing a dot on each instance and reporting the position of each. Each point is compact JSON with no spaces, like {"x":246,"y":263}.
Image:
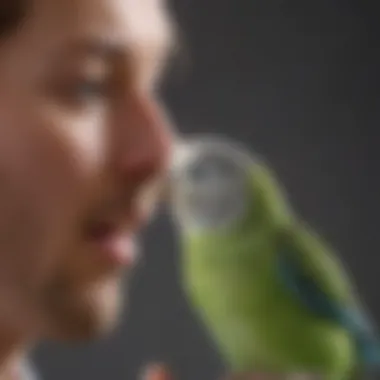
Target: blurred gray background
{"x":298,"y":82}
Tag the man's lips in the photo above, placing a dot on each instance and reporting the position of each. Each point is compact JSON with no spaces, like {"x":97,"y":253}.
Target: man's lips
{"x":112,"y":228}
{"x":116,"y":240}
{"x":118,"y":247}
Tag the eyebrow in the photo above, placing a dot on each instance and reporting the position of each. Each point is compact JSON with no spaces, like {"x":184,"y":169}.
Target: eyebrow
{"x":174,"y":53}
{"x":171,"y":50}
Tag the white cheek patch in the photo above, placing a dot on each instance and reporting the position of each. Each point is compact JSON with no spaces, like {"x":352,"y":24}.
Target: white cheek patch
{"x":209,"y":210}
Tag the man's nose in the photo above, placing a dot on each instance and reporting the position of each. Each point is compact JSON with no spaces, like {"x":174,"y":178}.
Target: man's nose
{"x":144,"y":140}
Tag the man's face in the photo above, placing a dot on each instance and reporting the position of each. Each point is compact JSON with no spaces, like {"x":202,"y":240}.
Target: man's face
{"x":83,"y":148}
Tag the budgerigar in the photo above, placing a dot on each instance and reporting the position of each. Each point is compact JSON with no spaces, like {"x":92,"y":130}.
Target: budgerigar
{"x":272,"y":294}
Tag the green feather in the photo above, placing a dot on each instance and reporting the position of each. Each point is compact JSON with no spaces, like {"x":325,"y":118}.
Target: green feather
{"x":230,"y":277}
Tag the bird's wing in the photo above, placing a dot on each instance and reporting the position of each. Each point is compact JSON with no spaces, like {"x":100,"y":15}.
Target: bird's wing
{"x":318,"y":280}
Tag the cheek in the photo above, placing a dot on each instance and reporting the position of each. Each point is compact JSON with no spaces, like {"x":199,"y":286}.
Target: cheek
{"x":85,"y":136}
{"x":45,"y":170}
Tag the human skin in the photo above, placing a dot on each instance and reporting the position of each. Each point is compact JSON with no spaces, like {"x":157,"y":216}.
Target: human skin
{"x":84,"y":148}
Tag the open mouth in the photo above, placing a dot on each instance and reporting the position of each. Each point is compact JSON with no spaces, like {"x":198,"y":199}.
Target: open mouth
{"x":112,"y":227}
{"x":100,"y":230}
{"x":114,"y":241}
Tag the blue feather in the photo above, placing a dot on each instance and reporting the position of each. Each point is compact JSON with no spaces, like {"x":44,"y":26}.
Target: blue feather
{"x":352,"y":319}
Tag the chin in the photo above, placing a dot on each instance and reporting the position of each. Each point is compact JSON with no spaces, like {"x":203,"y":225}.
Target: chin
{"x":86,"y":314}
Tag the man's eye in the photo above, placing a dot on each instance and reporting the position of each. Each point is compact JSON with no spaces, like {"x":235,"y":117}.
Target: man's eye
{"x":88,"y":90}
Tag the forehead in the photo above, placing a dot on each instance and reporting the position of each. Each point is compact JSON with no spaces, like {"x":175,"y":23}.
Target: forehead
{"x":137,"y":25}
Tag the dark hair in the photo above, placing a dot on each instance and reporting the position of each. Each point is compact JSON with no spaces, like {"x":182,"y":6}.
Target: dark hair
{"x":12,"y":13}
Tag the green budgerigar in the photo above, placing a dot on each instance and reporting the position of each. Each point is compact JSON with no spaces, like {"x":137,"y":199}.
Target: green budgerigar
{"x":272,"y":294}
